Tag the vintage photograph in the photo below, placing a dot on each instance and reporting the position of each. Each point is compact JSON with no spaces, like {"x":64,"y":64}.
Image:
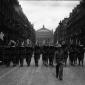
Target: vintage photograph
{"x":42,"y":42}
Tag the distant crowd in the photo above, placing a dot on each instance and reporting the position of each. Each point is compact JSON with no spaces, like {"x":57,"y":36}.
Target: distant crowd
{"x":16,"y":53}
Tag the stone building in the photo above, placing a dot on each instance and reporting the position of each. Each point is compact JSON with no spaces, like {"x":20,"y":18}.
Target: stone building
{"x":76,"y":25}
{"x":60,"y":34}
{"x":44,"y":36}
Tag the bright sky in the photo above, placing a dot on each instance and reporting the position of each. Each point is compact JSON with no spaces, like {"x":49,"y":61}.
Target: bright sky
{"x":48,"y":13}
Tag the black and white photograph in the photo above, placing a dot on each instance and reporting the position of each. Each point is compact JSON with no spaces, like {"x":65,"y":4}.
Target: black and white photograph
{"x":42,"y":42}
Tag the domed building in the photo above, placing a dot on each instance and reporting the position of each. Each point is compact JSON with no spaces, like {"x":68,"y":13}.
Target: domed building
{"x":44,"y":36}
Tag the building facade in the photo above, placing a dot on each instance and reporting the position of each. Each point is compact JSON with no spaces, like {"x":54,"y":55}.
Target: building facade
{"x":72,"y":30}
{"x":60,"y":35}
{"x":44,"y":36}
{"x":76,"y":25}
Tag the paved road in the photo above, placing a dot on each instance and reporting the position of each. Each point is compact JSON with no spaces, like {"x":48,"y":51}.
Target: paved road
{"x":41,"y":75}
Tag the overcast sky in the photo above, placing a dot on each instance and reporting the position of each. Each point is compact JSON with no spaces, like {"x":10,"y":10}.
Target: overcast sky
{"x":48,"y":13}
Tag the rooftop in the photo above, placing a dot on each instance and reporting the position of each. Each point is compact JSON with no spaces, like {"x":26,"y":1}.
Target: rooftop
{"x":43,"y":29}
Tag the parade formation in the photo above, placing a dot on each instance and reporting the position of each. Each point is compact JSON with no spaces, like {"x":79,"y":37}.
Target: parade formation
{"x":52,"y":55}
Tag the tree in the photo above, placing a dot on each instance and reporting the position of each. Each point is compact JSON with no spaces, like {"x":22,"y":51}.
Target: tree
{"x":14,"y":22}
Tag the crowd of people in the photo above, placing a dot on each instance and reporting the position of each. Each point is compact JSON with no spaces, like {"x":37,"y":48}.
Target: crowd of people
{"x":52,"y":55}
{"x":17,"y":53}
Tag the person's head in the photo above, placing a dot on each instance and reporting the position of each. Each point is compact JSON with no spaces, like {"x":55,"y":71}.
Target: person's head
{"x":60,"y":49}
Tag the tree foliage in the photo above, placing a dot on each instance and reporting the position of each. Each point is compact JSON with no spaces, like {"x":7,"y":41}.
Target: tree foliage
{"x":14,"y":22}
